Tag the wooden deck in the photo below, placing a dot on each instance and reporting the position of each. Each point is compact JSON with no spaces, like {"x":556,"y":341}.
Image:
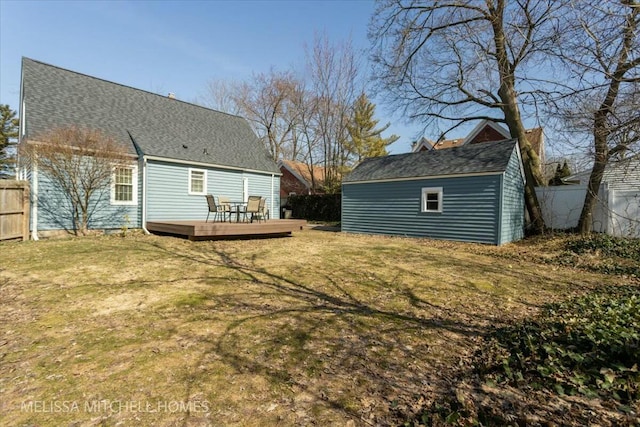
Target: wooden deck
{"x":200,"y":230}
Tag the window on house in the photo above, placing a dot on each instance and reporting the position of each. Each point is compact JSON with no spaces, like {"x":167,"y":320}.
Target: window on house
{"x":123,"y":187}
{"x":432,"y":199}
{"x":197,"y":181}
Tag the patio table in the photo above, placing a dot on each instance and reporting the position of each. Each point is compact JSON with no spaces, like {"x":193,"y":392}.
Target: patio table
{"x":238,"y":207}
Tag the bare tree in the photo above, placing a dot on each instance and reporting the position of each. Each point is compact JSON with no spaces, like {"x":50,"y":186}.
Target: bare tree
{"x":223,"y":95}
{"x":308,"y":140}
{"x":302,"y":119}
{"x":267,"y":102}
{"x":79,"y":163}
{"x":450,"y":62}
{"x":334,"y":81}
{"x":601,"y":49}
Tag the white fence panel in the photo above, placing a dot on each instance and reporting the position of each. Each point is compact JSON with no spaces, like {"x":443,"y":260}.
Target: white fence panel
{"x":625,"y":213}
{"x":561,"y":207}
{"x":616,"y":212}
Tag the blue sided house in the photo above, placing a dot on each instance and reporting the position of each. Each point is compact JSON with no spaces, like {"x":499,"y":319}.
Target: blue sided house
{"x":179,"y":151}
{"x":471,"y":193}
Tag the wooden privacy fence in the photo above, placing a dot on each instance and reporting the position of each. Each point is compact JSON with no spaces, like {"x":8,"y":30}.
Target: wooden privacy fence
{"x":14,"y":210}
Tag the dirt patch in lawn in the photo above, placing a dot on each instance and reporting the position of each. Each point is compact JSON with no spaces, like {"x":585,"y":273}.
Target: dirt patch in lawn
{"x":321,"y":328}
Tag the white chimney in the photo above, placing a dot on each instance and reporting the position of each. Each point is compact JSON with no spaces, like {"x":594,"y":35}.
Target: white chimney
{"x":172,"y":95}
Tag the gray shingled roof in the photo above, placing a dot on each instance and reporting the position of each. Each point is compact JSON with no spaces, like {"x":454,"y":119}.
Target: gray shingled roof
{"x":467,"y":159}
{"x":623,"y":175}
{"x":160,"y":126}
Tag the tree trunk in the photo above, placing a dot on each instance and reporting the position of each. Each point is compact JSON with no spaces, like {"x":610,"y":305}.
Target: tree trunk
{"x":601,"y":130}
{"x":508,"y":96}
{"x":585,"y":224}
{"x":530,"y":162}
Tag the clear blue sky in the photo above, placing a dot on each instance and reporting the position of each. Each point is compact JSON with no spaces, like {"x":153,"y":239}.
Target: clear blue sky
{"x":166,"y":46}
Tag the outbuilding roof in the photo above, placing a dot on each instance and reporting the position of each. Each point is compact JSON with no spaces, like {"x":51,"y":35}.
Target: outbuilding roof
{"x":463,"y":160}
{"x":160,"y":126}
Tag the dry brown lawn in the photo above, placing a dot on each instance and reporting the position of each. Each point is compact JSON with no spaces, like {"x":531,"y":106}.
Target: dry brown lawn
{"x":317,"y":329}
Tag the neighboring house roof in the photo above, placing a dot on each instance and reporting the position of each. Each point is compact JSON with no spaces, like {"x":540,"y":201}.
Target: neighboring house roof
{"x":422,"y":144}
{"x":160,"y":126}
{"x":447,"y":143}
{"x":485,"y":131}
{"x":302,"y":173}
{"x":464,"y":160}
{"x":622,"y":175}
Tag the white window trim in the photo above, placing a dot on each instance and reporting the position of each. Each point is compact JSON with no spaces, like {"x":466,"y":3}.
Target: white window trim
{"x":423,"y":200}
{"x":134,"y":181}
{"x":204,"y":184}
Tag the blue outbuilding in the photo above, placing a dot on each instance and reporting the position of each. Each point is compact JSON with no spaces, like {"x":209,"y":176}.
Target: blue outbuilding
{"x":472,"y":193}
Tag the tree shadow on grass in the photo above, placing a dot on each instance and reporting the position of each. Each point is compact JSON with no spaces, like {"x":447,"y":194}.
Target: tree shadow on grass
{"x":374,"y":359}
{"x":351,"y":337}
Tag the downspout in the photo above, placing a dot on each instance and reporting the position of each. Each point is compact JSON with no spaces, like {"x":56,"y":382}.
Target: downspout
{"x":34,"y":200}
{"x":272,"y":204}
{"x":144,"y":195}
{"x":22,"y":132}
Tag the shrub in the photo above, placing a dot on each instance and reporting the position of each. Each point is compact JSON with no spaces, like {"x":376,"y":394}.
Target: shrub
{"x":601,"y":253}
{"x":589,"y":345}
{"x":606,"y":245}
{"x":316,"y":207}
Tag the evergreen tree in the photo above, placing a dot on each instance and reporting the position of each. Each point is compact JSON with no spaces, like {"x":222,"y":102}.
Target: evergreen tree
{"x":9,"y":126}
{"x":561,"y":172}
{"x":364,"y":139}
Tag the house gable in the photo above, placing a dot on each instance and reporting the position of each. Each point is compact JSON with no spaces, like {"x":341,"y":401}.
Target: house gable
{"x":297,"y":178}
{"x":486,"y":131}
{"x":423,"y":145}
{"x":291,"y":184}
{"x":487,"y":134}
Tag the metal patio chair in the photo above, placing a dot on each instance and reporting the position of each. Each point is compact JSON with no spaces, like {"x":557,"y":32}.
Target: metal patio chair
{"x":263,"y":210}
{"x":213,"y":208}
{"x":253,"y":207}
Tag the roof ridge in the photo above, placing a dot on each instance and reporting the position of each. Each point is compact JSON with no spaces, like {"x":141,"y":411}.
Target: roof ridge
{"x":459,"y":147}
{"x":129,"y":87}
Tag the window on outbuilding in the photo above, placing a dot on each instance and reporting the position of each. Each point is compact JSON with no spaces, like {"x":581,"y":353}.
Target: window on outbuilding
{"x":124,"y":185}
{"x":197,"y":181}
{"x":431,"y":199}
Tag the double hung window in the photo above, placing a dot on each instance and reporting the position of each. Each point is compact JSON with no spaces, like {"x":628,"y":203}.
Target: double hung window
{"x":431,"y":199}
